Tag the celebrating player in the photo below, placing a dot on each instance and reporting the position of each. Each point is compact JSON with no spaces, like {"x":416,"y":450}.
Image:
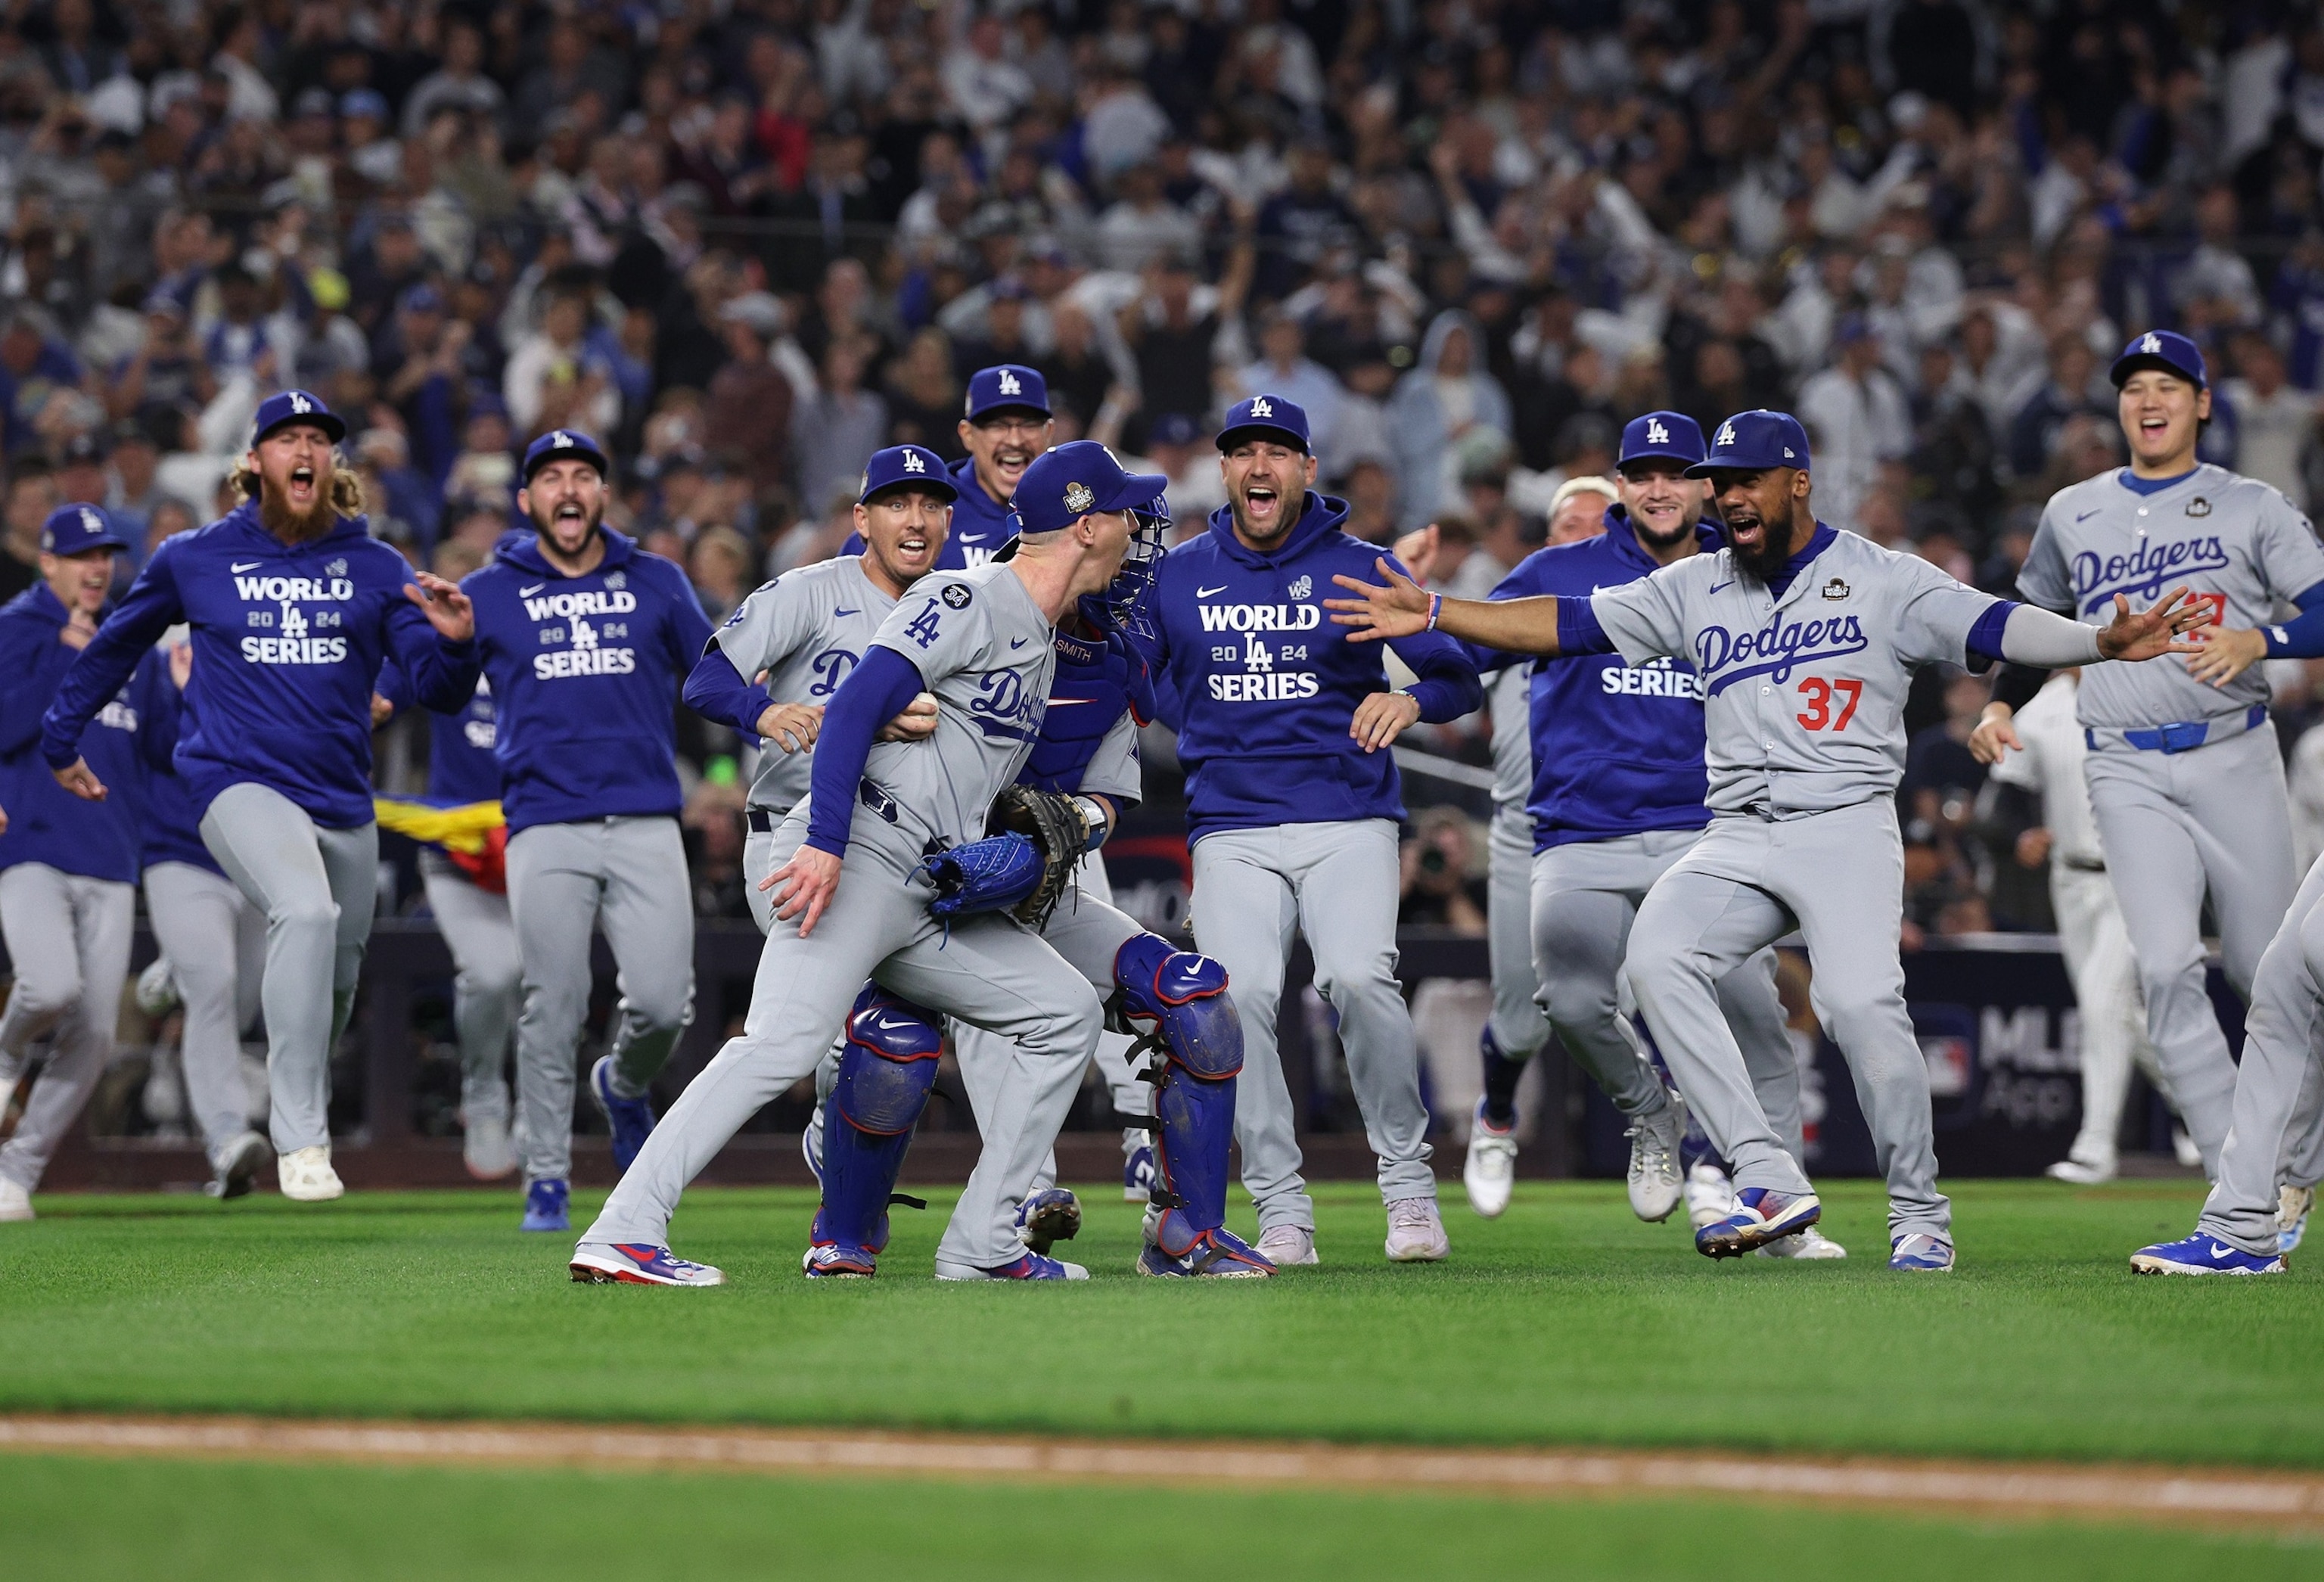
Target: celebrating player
{"x":1005,"y":423}
{"x":1618,"y":800}
{"x":292,"y":604}
{"x":1292,"y":807}
{"x":1804,"y":640}
{"x":585,"y":638}
{"x":853,"y":891}
{"x":2183,"y":766}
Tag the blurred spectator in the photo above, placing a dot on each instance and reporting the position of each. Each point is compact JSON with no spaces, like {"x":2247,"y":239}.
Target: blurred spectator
{"x":1446,"y":401}
{"x":1857,"y":417}
{"x":32,"y":495}
{"x":2275,"y":425}
{"x":1441,"y":875}
{"x":749,"y":406}
{"x":834,"y":432}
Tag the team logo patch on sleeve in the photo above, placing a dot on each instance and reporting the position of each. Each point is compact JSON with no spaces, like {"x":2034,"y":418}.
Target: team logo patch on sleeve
{"x":956,"y":596}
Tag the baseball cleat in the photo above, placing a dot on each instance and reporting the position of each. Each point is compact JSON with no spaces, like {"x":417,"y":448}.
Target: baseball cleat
{"x":635,"y":1264}
{"x":1810,"y":1245}
{"x":2203,"y":1254}
{"x":1217,"y":1255}
{"x":811,"y":1146}
{"x":1137,"y":1165}
{"x":1655,"y":1182}
{"x":2079,"y":1172}
{"x":544,"y":1205}
{"x":157,"y":989}
{"x":1032,"y":1266}
{"x":1416,"y":1232}
{"x":1283,"y":1245}
{"x":1710,"y":1195}
{"x":237,"y":1166}
{"x":1048,"y":1216}
{"x":632,"y":1119}
{"x":1762,"y":1215}
{"x":1490,"y":1170}
{"x":2183,"y":1150}
{"x":830,"y":1261}
{"x":486,"y":1150}
{"x":1919,"y":1252}
{"x":2292,"y":1206}
{"x":15,"y":1203}
{"x":306,"y":1176}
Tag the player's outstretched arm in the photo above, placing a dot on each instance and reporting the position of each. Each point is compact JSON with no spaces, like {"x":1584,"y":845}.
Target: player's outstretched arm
{"x":1398,"y":607}
{"x":2153,"y":632}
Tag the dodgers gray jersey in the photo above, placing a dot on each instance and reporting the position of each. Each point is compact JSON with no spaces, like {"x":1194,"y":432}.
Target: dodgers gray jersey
{"x":1803,"y":704}
{"x":986,"y":650}
{"x":1509,"y":695}
{"x":2237,"y":543}
{"x":806,"y":629}
{"x":1115,"y":770}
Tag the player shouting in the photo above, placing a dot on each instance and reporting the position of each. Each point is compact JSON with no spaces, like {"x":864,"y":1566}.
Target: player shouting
{"x":585,"y":638}
{"x":1005,"y":423}
{"x":1292,"y":807}
{"x":2183,"y":769}
{"x":1804,"y":640}
{"x":292,"y":604}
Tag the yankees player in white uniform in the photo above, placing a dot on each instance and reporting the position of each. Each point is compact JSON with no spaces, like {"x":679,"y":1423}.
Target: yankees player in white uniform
{"x":2090,"y":932}
{"x":1806,"y":640}
{"x":2185,"y":776}
{"x":852,"y":899}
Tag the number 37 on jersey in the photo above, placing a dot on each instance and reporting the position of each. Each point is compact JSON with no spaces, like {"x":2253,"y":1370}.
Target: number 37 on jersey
{"x":1827,"y":705}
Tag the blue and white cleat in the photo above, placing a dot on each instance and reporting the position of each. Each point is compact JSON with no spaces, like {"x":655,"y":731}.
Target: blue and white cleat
{"x":1919,"y":1252}
{"x":544,"y":1207}
{"x":1217,"y":1255}
{"x":1137,"y":1166}
{"x":836,"y":1261}
{"x":2202,"y":1255}
{"x":635,"y":1264}
{"x":632,"y":1119}
{"x":1048,"y":1216}
{"x":1032,"y":1266}
{"x":1762,"y":1215}
{"x":2292,"y":1206}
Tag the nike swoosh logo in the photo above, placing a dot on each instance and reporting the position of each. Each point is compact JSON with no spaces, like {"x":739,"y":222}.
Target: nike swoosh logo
{"x":1206,"y":592}
{"x":2085,"y":515}
{"x":1015,"y":643}
{"x":528,"y":592}
{"x":837,"y":614}
{"x":2221,"y":1255}
{"x":1722,"y":586}
{"x":239,"y":567}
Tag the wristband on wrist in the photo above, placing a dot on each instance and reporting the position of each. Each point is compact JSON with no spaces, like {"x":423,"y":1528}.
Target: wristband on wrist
{"x":1094,"y":811}
{"x":1435,"y":608}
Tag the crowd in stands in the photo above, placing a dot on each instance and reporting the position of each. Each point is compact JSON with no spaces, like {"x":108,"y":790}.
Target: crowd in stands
{"x":747,"y":242}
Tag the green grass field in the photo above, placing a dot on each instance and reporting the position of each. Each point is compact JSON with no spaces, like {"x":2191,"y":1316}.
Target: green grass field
{"x":1567,"y":1322}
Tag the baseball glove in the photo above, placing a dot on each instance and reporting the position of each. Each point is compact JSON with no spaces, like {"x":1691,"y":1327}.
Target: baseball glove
{"x":1022,"y":867}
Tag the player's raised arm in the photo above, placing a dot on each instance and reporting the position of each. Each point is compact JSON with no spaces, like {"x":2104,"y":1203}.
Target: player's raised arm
{"x":1398,"y":607}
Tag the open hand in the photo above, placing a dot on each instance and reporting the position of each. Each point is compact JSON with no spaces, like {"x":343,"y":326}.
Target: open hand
{"x":792,"y":727}
{"x":1399,"y":609}
{"x":2155,"y":631}
{"x":2228,"y":653}
{"x":448,"y":609}
{"x":809,"y":881}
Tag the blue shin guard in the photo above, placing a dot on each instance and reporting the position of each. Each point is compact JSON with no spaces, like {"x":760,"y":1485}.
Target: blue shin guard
{"x":885,"y":1074}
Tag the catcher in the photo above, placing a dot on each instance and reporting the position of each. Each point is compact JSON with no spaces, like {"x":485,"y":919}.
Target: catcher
{"x":1041,"y":830}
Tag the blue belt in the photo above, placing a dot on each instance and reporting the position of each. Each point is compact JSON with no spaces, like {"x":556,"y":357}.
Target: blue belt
{"x":2184,"y":736}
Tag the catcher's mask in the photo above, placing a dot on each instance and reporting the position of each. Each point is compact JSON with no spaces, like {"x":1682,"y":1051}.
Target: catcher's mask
{"x":1124,"y":605}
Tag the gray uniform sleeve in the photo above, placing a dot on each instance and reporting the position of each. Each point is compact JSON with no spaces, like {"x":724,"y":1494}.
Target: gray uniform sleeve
{"x":943,"y":625}
{"x":767,"y":627}
{"x":1934,"y":613}
{"x":2283,"y":543}
{"x":1642,"y":619}
{"x":1115,"y":770}
{"x":2043,"y":580}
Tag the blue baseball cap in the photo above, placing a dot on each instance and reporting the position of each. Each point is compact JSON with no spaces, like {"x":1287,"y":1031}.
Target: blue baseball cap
{"x":557,"y":445}
{"x":1661,"y":437}
{"x":2166,"y":349}
{"x":913,"y":465}
{"x":75,"y":530}
{"x":1753,"y":441}
{"x":1067,"y":483}
{"x":1265,"y":414}
{"x":1002,"y":387}
{"x":296,"y":406}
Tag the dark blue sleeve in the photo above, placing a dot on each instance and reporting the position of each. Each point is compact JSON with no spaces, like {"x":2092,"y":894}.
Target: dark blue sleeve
{"x":394,"y":685}
{"x":21,"y":701}
{"x":1985,"y":637}
{"x":442,"y":673}
{"x":148,"y":609}
{"x":1447,"y":686}
{"x":161,"y":712}
{"x":2303,"y":637}
{"x":1578,"y":631}
{"x":874,"y":692}
{"x":716,"y":690}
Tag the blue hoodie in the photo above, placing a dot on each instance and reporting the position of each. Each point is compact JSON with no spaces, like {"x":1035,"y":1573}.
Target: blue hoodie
{"x":1616,"y":750}
{"x":288,"y":640}
{"x":584,"y":673}
{"x":1263,"y":686}
{"x":978,"y":526}
{"x":48,"y":824}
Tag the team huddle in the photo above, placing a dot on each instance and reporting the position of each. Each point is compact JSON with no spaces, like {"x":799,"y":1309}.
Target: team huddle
{"x":1698,"y":733}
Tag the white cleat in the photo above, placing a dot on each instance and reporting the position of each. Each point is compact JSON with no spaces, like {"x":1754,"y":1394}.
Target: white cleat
{"x":2081,"y":1172}
{"x":2292,"y":1206}
{"x":15,"y":1203}
{"x":306,"y":1174}
{"x":1655,"y":1182}
{"x":486,"y":1149}
{"x":1810,"y":1245}
{"x":1710,"y":1195}
{"x":1490,"y":1170}
{"x":235,"y":1169}
{"x":1286,"y":1244}
{"x":157,"y":989}
{"x":1416,"y":1232}
{"x":2183,"y":1148}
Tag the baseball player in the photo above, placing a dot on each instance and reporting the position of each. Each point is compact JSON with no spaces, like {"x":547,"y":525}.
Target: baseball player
{"x":2090,"y":932}
{"x":853,"y":900}
{"x":293,"y":606}
{"x":1804,"y":641}
{"x":68,"y":868}
{"x":1294,"y":805}
{"x":1005,"y":423}
{"x":1618,"y":800}
{"x":2183,"y":772}
{"x":584,"y":638}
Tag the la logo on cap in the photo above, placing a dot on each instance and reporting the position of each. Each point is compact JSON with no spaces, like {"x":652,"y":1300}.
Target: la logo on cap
{"x":912,"y":462}
{"x":1079,"y":499}
{"x":1727,"y":434}
{"x":89,"y":520}
{"x":1262,"y":408}
{"x":2151,"y":344}
{"x":299,"y":404}
{"x":1655,"y":433}
{"x":1008,"y":384}
{"x":557,"y":441}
